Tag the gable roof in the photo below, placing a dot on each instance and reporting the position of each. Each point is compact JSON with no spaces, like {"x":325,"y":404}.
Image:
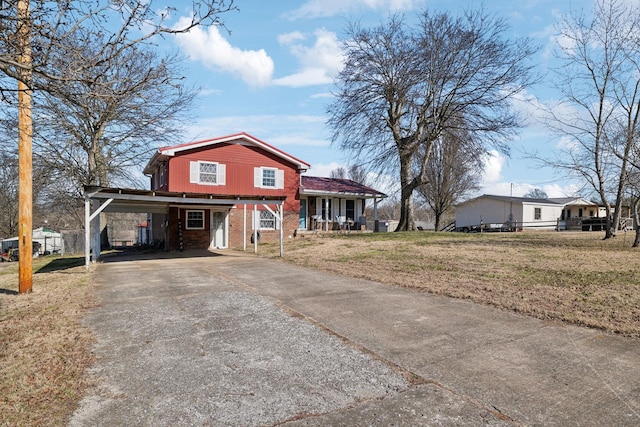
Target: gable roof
{"x":237,"y":138}
{"x":332,"y":186}
{"x":521,"y":200}
{"x":573,"y":201}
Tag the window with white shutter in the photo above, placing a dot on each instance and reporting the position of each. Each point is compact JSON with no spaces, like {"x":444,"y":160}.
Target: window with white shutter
{"x":207,"y":173}
{"x":265,"y":177}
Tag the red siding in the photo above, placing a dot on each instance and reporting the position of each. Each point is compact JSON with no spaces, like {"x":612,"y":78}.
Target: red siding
{"x":240,"y":161}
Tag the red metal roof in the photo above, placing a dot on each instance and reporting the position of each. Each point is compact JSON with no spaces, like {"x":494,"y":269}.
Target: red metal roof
{"x":317,"y":184}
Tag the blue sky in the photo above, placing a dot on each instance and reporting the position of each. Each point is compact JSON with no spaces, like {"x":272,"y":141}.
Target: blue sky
{"x":272,"y":77}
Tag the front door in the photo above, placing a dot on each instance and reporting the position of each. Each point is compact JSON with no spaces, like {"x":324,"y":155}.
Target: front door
{"x":302,"y":218}
{"x":218,"y":230}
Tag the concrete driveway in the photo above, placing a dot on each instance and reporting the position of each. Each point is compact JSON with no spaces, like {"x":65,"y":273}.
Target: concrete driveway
{"x":212,"y":340}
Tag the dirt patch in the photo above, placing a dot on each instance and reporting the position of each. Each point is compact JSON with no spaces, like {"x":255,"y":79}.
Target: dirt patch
{"x":573,"y":277}
{"x":44,"y":349}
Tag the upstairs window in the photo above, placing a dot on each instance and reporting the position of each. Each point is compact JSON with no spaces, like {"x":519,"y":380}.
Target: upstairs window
{"x":207,"y":173}
{"x":268,"y":178}
{"x":265,"y":177}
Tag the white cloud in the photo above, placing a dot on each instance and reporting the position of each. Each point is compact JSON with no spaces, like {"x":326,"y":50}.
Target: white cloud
{"x":319,"y":63}
{"x":323,"y":169}
{"x":326,"y":8}
{"x":556,"y":190}
{"x":322,"y":95}
{"x":254,"y":67}
{"x":290,"y":38}
{"x":278,"y":130}
{"x":493,"y":168}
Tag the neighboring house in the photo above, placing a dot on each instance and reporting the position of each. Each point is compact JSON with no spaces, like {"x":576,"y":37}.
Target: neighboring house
{"x":45,"y":242}
{"x":522,"y":212}
{"x":332,"y":203}
{"x":254,"y":186}
{"x":507,"y":212}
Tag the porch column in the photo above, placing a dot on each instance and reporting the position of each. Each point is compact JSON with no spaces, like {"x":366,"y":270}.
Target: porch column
{"x":325,"y":203}
{"x":375,"y":215}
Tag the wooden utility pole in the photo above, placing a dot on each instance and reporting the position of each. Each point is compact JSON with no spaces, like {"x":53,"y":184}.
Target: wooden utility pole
{"x":25,"y":133}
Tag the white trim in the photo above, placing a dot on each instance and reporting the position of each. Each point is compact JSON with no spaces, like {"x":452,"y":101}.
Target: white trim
{"x":278,"y":177}
{"x":195,"y":173}
{"x":186,"y":219}
{"x":238,"y":138}
{"x":225,"y":229}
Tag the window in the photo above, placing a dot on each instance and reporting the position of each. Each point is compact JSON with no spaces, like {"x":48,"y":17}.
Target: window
{"x":207,"y":173}
{"x":195,"y":220}
{"x":537,"y":213}
{"x":267,"y":220}
{"x":265,"y":177}
{"x":269,"y":178}
{"x":351,"y":210}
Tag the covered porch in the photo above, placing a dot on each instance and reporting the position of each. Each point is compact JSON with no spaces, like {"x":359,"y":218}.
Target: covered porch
{"x":333,"y":204}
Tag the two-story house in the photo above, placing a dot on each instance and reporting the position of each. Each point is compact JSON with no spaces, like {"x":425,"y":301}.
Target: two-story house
{"x":258,"y":190}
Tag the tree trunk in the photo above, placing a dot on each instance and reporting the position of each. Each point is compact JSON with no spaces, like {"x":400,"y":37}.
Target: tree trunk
{"x":437,"y":215}
{"x":406,"y":222}
{"x":608,"y":224}
{"x":636,"y":221}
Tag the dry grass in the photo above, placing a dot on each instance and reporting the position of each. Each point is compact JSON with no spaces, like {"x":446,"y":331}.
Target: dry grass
{"x":44,"y":349}
{"x":574,"y":277}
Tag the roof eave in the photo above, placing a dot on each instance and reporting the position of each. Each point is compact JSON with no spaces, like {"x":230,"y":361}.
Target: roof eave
{"x":308,"y":192}
{"x":171,"y":151}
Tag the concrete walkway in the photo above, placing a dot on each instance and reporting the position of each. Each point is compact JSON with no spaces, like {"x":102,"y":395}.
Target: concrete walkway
{"x":239,"y":340}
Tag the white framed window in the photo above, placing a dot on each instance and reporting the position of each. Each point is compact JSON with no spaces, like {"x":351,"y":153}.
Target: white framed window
{"x":266,"y":177}
{"x":207,"y":173}
{"x":537,"y":213}
{"x":195,"y":220}
{"x":266,"y":220}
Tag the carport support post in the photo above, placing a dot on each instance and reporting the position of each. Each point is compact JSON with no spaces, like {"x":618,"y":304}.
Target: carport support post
{"x":281,"y":214}
{"x":87,"y":230}
{"x":244,"y":228}
{"x":256,"y":222}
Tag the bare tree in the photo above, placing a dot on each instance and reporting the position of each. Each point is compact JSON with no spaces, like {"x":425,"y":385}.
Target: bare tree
{"x":402,"y":87}
{"x":8,"y":195}
{"x":453,"y":171}
{"x":120,"y":24}
{"x":103,"y":96}
{"x":536,"y":193}
{"x":598,"y":114}
{"x":355,"y":173}
{"x":95,"y":129}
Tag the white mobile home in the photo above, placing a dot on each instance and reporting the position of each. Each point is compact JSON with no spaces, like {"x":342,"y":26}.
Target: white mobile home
{"x":45,"y":241}
{"x":507,"y":212}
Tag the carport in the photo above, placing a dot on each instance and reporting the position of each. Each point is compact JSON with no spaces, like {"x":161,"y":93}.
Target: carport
{"x":101,"y":199}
